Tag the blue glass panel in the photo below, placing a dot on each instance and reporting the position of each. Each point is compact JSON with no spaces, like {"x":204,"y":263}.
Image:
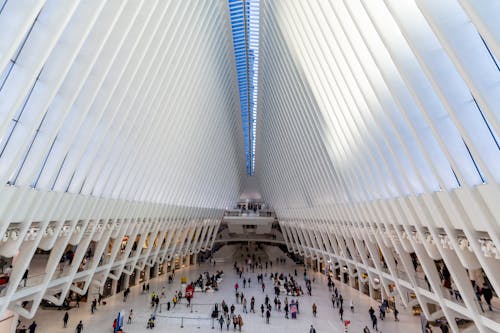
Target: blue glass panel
{"x":245,"y":26}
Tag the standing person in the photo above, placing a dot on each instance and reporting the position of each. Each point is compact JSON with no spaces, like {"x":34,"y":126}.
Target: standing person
{"x":312,"y":329}
{"x":314,"y":308}
{"x":32,"y":327}
{"x":477,"y":291}
{"x":444,"y":328}
{"x":488,"y":295}
{"x":221,"y":321}
{"x":240,"y":322}
{"x":130,"y":315}
{"x":25,"y":277}
{"x":79,"y":327}
{"x":65,"y":319}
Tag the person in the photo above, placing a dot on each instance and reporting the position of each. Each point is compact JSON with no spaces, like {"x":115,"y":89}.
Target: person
{"x":396,"y":312}
{"x":221,"y":322}
{"x":78,"y":299}
{"x":65,"y":319}
{"x":477,"y":291}
{"x":374,"y":322}
{"x":341,"y":313}
{"x":428,"y":328}
{"x":236,"y":286}
{"x":130,"y":315}
{"x":25,"y":277}
{"x":312,"y":329}
{"x":99,"y":299}
{"x":351,"y":305}
{"x":151,"y":322}
{"x":228,"y":321}
{"x":79,"y":327}
{"x":244,"y":283}
{"x":32,"y":327}
{"x":314,"y":308}
{"x":488,"y":295}
{"x":240,"y":322}
{"x":22,"y":329}
{"x":268,"y":315}
{"x":262,"y":309}
{"x":444,"y":328}
{"x":366,"y":330}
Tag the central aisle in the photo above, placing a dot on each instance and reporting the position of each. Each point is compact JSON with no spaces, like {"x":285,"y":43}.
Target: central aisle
{"x":327,"y":319}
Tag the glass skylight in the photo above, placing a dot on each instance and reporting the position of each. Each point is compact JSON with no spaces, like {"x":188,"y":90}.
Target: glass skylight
{"x":245,"y":26}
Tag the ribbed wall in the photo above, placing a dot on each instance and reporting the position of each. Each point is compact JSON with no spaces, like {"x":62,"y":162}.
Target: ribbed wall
{"x":118,"y":120}
{"x":378,"y":137}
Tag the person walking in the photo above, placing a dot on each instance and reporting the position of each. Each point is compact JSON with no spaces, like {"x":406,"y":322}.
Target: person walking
{"x":396,"y":312}
{"x":351,"y":305}
{"x":268,"y":315}
{"x":312,"y":329}
{"x":65,"y":319}
{"x":221,"y":321}
{"x":314,"y":309}
{"x":79,"y":327}
{"x":366,"y":330}
{"x":374,"y":322}
{"x":130,"y":315}
{"x":341,"y":313}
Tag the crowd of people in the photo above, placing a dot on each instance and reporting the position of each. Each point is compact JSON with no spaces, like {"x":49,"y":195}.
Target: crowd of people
{"x":287,"y":288}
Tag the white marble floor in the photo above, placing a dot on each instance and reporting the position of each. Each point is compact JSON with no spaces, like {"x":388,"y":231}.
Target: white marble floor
{"x":327,"y":319}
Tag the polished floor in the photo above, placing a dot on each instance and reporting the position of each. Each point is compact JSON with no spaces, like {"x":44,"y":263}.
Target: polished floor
{"x":197,"y":318}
